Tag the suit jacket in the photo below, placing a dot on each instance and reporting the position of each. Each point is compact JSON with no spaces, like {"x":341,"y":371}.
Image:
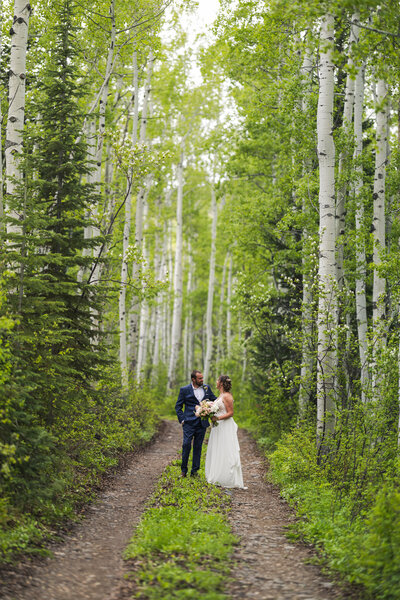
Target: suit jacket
{"x":186,"y":397}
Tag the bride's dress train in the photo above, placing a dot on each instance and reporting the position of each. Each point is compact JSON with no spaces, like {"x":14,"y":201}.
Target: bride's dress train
{"x":223,"y":465}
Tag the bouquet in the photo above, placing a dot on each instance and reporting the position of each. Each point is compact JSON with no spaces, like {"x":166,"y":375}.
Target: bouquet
{"x":205,"y":410}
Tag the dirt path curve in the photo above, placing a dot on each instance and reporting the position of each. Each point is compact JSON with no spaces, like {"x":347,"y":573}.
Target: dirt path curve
{"x":88,"y":565}
{"x":268,"y":567}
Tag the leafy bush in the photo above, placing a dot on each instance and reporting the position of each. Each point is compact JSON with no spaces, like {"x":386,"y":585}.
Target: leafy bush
{"x":56,"y":471}
{"x":363,"y":545}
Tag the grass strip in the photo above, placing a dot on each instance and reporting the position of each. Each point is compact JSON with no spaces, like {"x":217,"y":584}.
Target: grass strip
{"x":183,"y":543}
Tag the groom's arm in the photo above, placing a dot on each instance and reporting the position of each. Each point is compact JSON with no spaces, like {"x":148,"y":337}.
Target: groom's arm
{"x":179,"y":405}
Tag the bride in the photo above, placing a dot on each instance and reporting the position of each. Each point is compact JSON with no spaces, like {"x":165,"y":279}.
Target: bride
{"x":223,"y":453}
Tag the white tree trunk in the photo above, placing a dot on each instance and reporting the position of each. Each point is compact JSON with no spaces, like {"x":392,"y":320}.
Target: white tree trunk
{"x":327,"y":305}
{"x":187,"y":366}
{"x":308,"y":360}
{"x":379,"y":231}
{"x":123,"y":355}
{"x":134,"y":307}
{"x":211,"y":285}
{"x":228,"y":311}
{"x":177,"y":310}
{"x":361,"y":297}
{"x":220,"y":335}
{"x":170,"y":299}
{"x":96,"y":176}
{"x":123,"y":349}
{"x":159,"y":309}
{"x":16,"y":106}
{"x":343,"y":157}
{"x":144,"y":306}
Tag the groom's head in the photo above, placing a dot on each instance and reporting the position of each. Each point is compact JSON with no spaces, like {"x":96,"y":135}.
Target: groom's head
{"x":197,"y":378}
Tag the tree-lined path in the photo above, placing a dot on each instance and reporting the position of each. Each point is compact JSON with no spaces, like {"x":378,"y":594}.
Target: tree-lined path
{"x":213,"y":185}
{"x":88,"y":564}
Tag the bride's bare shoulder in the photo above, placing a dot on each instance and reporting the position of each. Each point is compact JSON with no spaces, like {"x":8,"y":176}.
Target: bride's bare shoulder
{"x":227,"y":396}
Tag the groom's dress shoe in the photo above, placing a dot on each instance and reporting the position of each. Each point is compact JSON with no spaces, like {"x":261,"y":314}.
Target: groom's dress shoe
{"x":194,"y":474}
{"x":183,"y":474}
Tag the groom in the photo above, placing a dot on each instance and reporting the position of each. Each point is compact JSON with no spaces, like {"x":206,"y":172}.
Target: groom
{"x":194,"y":428}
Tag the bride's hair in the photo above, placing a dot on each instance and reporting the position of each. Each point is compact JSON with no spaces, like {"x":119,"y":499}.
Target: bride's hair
{"x":226,"y":382}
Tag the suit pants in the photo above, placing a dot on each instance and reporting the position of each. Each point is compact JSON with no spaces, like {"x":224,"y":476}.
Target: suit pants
{"x":195,"y":431}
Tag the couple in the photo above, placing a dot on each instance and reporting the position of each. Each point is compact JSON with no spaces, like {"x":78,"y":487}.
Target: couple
{"x":223,"y":453}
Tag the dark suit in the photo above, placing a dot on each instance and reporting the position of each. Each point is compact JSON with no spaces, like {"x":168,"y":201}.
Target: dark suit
{"x":194,"y":428}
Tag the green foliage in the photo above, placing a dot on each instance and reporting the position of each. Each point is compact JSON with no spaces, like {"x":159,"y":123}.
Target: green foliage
{"x":183,"y":541}
{"x":84,"y":445}
{"x":63,"y":418}
{"x":362,"y":545}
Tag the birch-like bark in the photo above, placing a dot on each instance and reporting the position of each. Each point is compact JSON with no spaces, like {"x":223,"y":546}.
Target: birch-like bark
{"x":144,"y":306}
{"x":220,"y":335}
{"x":134,"y":307}
{"x":211,"y":285}
{"x":123,"y":355}
{"x":188,"y":329}
{"x":108,"y":192}
{"x":169,"y":300}
{"x":361,"y":297}
{"x":341,"y":198}
{"x":327,"y":304}
{"x":228,"y":310}
{"x":177,"y":310}
{"x":159,"y":309}
{"x":308,"y":360}
{"x":343,"y":156}
{"x":126,"y":236}
{"x":16,"y":105}
{"x":379,"y":233}
{"x":95,"y":140}
{"x":99,"y":141}
{"x":90,"y":133}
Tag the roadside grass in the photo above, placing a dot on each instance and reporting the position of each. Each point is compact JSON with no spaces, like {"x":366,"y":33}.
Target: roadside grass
{"x":183,"y":543}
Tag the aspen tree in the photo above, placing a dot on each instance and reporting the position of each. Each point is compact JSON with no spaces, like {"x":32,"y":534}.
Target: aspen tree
{"x":327,"y":343}
{"x":308,"y":360}
{"x":127,"y":222}
{"x":228,"y":310}
{"x":341,"y":200}
{"x":360,"y":286}
{"x":99,"y":140}
{"x":123,"y":350}
{"x":188,"y":329}
{"x":220,"y":336}
{"x":170,"y":296}
{"x":160,"y":305}
{"x":177,"y":289}
{"x":211,"y":285}
{"x":134,"y":306}
{"x":343,"y":156}
{"x":144,"y":306}
{"x":16,"y":106}
{"x":378,"y":230}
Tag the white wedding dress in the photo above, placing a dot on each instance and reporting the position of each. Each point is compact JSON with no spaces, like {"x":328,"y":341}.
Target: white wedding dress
{"x":223,"y":453}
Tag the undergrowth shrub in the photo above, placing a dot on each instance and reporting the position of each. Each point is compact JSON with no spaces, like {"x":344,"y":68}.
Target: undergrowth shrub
{"x":52,"y":472}
{"x":354,"y":522}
